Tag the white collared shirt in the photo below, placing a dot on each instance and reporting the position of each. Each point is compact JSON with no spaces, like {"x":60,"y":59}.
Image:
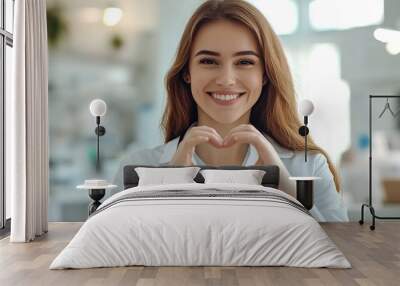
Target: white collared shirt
{"x":328,"y":205}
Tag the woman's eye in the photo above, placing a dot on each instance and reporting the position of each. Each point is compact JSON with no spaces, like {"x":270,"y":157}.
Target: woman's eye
{"x":212,"y":61}
{"x":246,"y":62}
{"x":207,"y":61}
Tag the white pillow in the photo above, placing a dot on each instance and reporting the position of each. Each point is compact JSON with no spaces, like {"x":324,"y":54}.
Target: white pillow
{"x":163,"y":176}
{"x":248,"y":177}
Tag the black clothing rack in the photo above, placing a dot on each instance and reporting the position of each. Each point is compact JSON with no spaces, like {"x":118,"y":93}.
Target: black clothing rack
{"x":370,"y":205}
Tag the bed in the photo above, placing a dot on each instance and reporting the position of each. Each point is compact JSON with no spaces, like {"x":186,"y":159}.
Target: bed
{"x":201,"y":224}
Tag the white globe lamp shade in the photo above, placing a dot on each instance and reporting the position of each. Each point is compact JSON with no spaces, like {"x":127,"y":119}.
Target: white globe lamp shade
{"x":306,"y":107}
{"x":98,"y":107}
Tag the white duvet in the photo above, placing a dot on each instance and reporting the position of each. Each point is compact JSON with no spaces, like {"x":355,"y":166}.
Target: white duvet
{"x":200,"y":231}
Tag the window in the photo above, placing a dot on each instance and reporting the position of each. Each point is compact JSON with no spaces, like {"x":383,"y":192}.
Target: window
{"x":345,"y":14}
{"x":283,"y":15}
{"x":317,"y":75}
{"x":6,"y":44}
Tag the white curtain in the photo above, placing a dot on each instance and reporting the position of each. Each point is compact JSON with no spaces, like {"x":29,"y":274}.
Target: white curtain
{"x":27,"y":123}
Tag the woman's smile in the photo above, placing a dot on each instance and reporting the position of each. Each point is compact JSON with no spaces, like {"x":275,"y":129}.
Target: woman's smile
{"x":225,"y":98}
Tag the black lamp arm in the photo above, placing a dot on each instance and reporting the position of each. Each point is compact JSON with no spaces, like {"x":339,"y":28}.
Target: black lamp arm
{"x":305,"y":138}
{"x":303,"y":131}
{"x":100,"y":131}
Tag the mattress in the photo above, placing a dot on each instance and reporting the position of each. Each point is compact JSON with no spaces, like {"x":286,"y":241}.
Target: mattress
{"x":201,"y":225}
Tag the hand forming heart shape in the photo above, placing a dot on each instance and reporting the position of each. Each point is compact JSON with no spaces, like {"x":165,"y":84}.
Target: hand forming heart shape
{"x":244,"y":134}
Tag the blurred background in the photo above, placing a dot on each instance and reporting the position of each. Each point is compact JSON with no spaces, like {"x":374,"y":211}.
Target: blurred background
{"x":119,"y":50}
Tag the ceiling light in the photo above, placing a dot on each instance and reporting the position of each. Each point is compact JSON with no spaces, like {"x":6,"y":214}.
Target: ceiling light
{"x":393,"y":47}
{"x":386,"y":35}
{"x":112,"y":16}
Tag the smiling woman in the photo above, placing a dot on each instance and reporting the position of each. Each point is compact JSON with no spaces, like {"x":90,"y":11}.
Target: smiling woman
{"x":231,"y":101}
{"x":226,"y":77}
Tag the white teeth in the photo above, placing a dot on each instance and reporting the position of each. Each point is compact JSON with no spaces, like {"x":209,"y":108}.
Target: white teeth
{"x":225,"y":96}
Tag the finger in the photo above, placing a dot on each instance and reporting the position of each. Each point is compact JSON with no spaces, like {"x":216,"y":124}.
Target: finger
{"x":232,"y":137}
{"x":242,"y":127}
{"x":202,"y":129}
{"x":241,"y":137}
{"x":216,"y":141}
{"x":199,"y":137}
{"x":215,"y":138}
{"x":193,"y":141}
{"x":209,"y":129}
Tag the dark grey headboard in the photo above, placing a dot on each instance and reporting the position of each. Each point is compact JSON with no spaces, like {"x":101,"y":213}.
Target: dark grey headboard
{"x":270,"y":179}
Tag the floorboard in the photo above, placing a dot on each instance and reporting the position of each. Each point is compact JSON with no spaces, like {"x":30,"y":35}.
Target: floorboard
{"x":374,"y":255}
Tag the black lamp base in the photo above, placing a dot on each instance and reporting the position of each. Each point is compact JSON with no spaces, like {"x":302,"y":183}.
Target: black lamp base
{"x":96,"y":195}
{"x":305,"y":193}
{"x":305,"y":190}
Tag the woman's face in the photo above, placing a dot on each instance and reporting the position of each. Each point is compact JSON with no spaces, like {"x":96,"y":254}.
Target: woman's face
{"x":225,"y":72}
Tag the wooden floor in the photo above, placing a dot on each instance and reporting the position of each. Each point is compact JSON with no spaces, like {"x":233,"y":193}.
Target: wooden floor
{"x":374,"y":255}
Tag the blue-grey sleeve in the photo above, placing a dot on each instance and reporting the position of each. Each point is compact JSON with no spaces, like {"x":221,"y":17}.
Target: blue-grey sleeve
{"x":328,"y":205}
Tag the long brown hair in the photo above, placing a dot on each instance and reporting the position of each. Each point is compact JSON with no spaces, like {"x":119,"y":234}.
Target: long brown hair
{"x":275,"y":112}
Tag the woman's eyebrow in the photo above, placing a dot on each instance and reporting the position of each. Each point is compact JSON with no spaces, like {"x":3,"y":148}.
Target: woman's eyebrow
{"x":212,"y":53}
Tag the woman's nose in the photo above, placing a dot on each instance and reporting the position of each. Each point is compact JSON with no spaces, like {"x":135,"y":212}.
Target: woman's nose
{"x":226,"y":77}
